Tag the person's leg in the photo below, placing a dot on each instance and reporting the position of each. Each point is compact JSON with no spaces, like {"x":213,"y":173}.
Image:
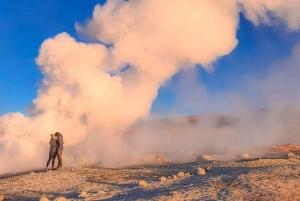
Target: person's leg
{"x":49,"y":159}
{"x":59,"y":157}
{"x":53,"y":159}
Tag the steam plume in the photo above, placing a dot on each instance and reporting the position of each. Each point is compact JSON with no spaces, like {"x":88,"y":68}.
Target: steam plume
{"x":93,"y":92}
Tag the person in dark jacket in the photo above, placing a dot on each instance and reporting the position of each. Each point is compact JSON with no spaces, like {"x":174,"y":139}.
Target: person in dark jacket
{"x":52,"y":151}
{"x":60,"y":147}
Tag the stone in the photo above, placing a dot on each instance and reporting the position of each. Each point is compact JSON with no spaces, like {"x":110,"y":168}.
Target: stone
{"x":42,"y":199}
{"x":143,"y":183}
{"x":155,"y":159}
{"x":187,"y":174}
{"x":291,"y":155}
{"x":1,"y":197}
{"x":175,"y":177}
{"x":208,"y":168}
{"x":169,"y":177}
{"x":97,"y":178}
{"x":60,"y":199}
{"x":244,"y":157}
{"x":202,"y":158}
{"x":200,"y":171}
{"x":101,"y":192}
{"x":180,"y":174}
{"x":83,"y":194}
{"x":162,"y":179}
{"x":161,"y":158}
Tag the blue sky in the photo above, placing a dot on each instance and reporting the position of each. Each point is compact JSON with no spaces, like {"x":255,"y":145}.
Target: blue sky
{"x":25,"y":24}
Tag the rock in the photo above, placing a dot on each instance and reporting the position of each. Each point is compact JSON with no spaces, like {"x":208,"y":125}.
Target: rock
{"x":187,"y":174}
{"x":162,"y":179}
{"x":161,"y":158}
{"x":291,"y":155}
{"x":155,"y":159}
{"x":32,"y":172}
{"x":143,"y":183}
{"x":101,"y":192}
{"x":208,"y":168}
{"x":180,"y":174}
{"x":200,"y":171}
{"x":83,"y":194}
{"x":175,"y":177}
{"x":42,"y":199}
{"x":60,"y":199}
{"x":169,"y":177}
{"x":97,"y":178}
{"x":244,"y":157}
{"x":1,"y":197}
{"x":204,"y":158}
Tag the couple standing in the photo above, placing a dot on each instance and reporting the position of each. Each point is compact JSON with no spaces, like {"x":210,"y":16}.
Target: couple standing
{"x":56,"y":148}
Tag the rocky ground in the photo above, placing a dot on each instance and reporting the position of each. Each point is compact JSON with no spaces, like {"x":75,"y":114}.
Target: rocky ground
{"x":252,"y":179}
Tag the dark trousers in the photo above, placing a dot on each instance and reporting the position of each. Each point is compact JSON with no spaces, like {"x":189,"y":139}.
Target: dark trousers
{"x":59,"y":158}
{"x":52,"y":156}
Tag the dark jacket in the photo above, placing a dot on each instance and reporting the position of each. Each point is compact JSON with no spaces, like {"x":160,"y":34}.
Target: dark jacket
{"x":60,"y":142}
{"x":53,"y":145}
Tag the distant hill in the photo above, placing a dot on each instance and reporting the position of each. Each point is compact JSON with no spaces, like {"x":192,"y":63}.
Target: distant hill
{"x":180,"y":124}
{"x":216,"y":120}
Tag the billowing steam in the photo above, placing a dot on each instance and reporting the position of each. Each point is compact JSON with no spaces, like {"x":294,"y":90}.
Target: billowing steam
{"x":93,"y":92}
{"x":272,"y":12}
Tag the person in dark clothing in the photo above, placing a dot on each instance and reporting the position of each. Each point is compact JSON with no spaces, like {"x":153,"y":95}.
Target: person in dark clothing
{"x":60,"y":148}
{"x":52,"y":151}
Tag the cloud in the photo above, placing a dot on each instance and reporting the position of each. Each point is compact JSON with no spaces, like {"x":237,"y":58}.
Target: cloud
{"x":92,"y":92}
{"x":272,"y":12}
{"x":159,"y":37}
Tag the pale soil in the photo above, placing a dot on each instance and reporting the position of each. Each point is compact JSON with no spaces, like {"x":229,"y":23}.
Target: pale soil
{"x":259,"y":179}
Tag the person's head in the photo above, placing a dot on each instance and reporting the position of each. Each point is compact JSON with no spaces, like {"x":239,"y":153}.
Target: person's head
{"x":53,"y":136}
{"x":57,"y":134}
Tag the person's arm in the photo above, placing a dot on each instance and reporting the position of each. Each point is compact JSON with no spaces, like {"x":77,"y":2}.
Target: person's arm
{"x":60,"y":142}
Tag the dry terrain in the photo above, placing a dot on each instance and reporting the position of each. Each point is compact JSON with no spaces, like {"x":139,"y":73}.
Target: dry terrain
{"x":253,"y":179}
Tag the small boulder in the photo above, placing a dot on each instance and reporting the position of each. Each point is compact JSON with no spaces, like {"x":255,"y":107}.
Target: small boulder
{"x":202,"y":158}
{"x":162,"y":179}
{"x":60,"y":199}
{"x":200,"y":171}
{"x":161,"y":158}
{"x":244,"y":157}
{"x":180,"y":174}
{"x":169,"y":177}
{"x":97,"y":178}
{"x":1,"y":197}
{"x":83,"y":194}
{"x":175,"y":177}
{"x":187,"y":174}
{"x":291,"y":155}
{"x":155,"y":159}
{"x":42,"y":199}
{"x":208,"y":168}
{"x":101,"y":192}
{"x":143,"y":183}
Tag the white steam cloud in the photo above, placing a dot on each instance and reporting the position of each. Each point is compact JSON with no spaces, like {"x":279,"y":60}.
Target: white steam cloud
{"x":272,"y":12}
{"x":93,"y":92}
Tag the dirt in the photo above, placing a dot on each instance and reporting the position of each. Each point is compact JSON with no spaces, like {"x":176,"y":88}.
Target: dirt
{"x":255,"y":179}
